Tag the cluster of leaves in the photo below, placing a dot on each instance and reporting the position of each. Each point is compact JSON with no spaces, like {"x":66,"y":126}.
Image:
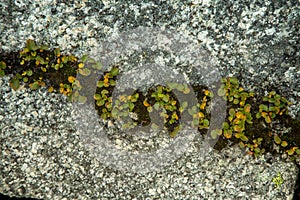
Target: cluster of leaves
{"x":38,"y":66}
{"x":276,"y":105}
{"x":198,"y":112}
{"x":239,"y":111}
{"x":159,"y":99}
{"x":240,"y":123}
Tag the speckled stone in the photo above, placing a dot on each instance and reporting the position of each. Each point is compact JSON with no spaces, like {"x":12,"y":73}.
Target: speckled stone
{"x":42,"y":153}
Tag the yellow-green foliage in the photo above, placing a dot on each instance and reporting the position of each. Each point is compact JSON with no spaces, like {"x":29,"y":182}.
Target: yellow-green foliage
{"x":41,"y":67}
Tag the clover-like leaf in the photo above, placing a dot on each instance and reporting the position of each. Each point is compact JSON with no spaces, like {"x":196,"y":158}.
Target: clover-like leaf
{"x":233,"y":80}
{"x":84,"y":71}
{"x":97,"y":97}
{"x":277,"y":139}
{"x":284,"y":143}
{"x":232,"y":112}
{"x":206,"y":122}
{"x":114,"y":71}
{"x":290,"y":151}
{"x":14,"y":83}
{"x":263,"y":107}
{"x":34,"y":86}
{"x":221,"y":92}
{"x":112,"y":82}
{"x":225,"y":125}
{"x":149,"y":109}
{"x":156,"y":106}
{"x":97,"y":66}
{"x":30,"y":44}
{"x":215,"y":133}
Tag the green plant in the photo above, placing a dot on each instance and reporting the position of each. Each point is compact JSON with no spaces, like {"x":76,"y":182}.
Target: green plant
{"x":276,"y":105}
{"x":254,"y":148}
{"x":2,"y":68}
{"x":38,"y":66}
{"x":278,"y":180}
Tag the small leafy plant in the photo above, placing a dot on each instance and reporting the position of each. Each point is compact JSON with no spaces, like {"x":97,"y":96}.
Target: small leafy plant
{"x":38,"y":66}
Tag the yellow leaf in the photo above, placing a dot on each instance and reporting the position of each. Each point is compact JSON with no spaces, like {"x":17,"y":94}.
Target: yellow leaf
{"x":227,"y":135}
{"x":146,"y":103}
{"x":247,"y":108}
{"x":202,"y":106}
{"x":173,"y":103}
{"x":71,"y":79}
{"x":200,"y":114}
{"x":50,"y":89}
{"x":240,"y":115}
{"x":284,"y":143}
{"x":80,"y":65}
{"x":207,"y":92}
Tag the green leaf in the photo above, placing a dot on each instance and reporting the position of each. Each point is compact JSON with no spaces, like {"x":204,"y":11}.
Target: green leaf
{"x":114,"y":71}
{"x":258,"y":115}
{"x":221,"y":92}
{"x":236,"y":96}
{"x":84,"y":71}
{"x":104,"y":92}
{"x":114,"y":112}
{"x":156,"y":106}
{"x":172,"y":86}
{"x":263,"y":107}
{"x":214,"y":134}
{"x":97,"y":97}
{"x":236,"y":101}
{"x":112,"y":82}
{"x":290,"y":152}
{"x":232,"y":112}
{"x":97,"y":66}
{"x":56,"y":66}
{"x":130,"y":106}
{"x":56,"y":51}
{"x":14,"y":83}
{"x":30,"y":44}
{"x":100,"y":102}
{"x":184,"y":105}
{"x":277,"y":139}
{"x":166,"y":98}
{"x":2,"y":65}
{"x":225,"y":125}
{"x":33,"y":53}
{"x":180,"y":87}
{"x":100,"y":84}
{"x":25,"y":79}
{"x":175,"y":131}
{"x":257,"y":150}
{"x":206,"y":122}
{"x":34,"y":86}
{"x":149,"y":109}
{"x":265,"y":99}
{"x":84,"y":58}
{"x":29,"y":72}
{"x":234,"y":80}
{"x":44,"y":47}
{"x":244,"y":138}
{"x":268,"y":119}
{"x":284,"y":143}
{"x":2,"y":73}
